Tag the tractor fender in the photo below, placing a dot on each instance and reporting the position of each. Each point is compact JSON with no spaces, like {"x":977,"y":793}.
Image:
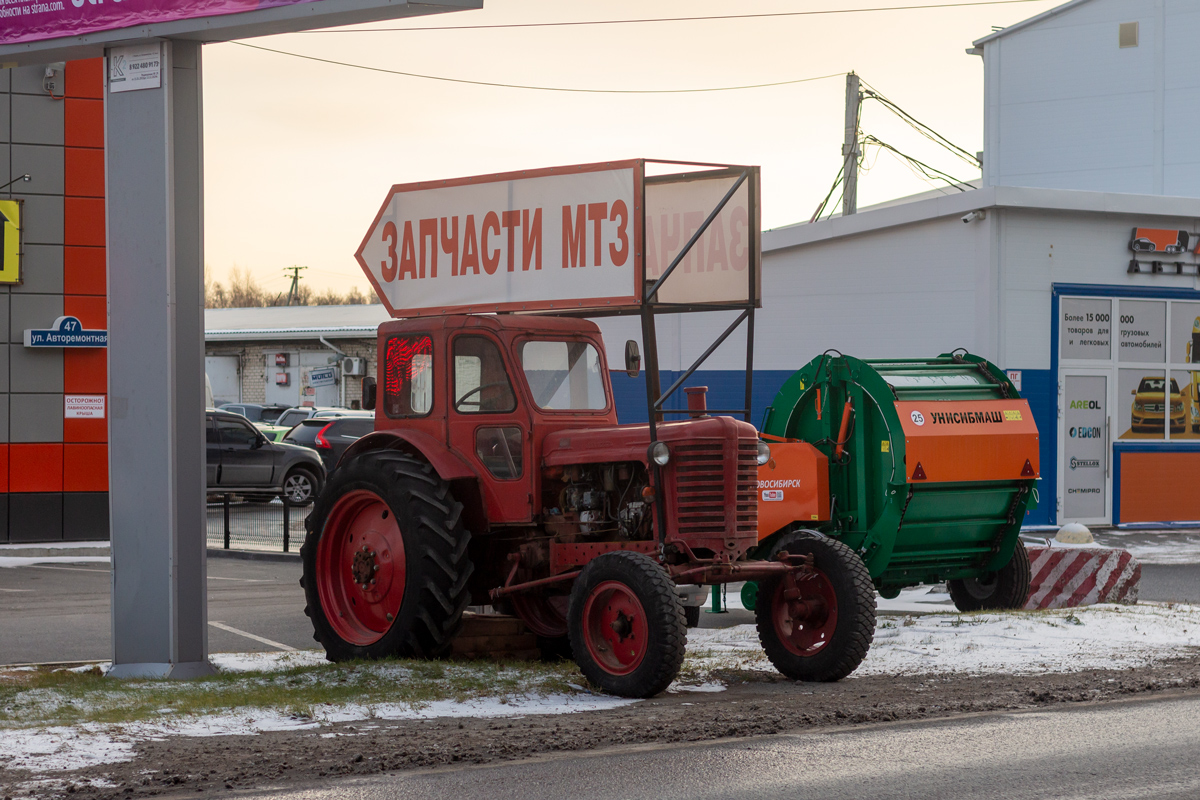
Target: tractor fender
{"x":448,"y":465}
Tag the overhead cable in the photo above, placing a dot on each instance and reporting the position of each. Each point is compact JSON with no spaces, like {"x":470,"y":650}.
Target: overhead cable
{"x":930,"y":172}
{"x":538,"y":88}
{"x":817,"y":12}
{"x":920,"y":127}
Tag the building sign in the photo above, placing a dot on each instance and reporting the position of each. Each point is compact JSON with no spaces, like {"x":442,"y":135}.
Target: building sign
{"x":1157,"y":240}
{"x":83,"y":406}
{"x":135,"y":67}
{"x":1085,"y":328}
{"x":37,"y":20}
{"x":1175,"y":251}
{"x":10,"y":240}
{"x":66,"y":332}
{"x":322,"y":376}
{"x":565,"y":238}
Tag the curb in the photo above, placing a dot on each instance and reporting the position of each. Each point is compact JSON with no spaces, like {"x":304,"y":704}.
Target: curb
{"x":45,"y":551}
{"x":253,"y":555}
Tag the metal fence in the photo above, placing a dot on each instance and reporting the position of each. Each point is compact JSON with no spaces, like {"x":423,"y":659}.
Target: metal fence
{"x":240,"y":524}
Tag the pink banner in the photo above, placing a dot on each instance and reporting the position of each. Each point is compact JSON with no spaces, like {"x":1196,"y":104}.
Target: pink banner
{"x":37,"y":20}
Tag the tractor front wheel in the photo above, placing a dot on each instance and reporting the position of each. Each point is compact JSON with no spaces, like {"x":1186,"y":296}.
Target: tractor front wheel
{"x":626,"y":625}
{"x":385,"y":560}
{"x":817,"y":627}
{"x":1006,"y":588}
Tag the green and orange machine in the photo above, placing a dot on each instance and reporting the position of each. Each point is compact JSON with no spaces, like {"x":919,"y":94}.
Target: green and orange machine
{"x":924,"y":467}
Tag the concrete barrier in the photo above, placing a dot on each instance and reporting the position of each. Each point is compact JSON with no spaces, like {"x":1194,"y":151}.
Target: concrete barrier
{"x":1064,"y":577}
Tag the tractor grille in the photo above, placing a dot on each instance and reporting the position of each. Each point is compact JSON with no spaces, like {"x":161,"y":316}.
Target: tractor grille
{"x":701,"y":472}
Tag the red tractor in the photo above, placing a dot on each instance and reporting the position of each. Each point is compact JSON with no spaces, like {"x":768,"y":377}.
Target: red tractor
{"x":498,"y":475}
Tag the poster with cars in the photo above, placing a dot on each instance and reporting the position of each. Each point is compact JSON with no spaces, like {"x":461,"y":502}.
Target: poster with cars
{"x":1146,"y":399}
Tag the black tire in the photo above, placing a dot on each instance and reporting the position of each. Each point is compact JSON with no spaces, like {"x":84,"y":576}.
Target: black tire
{"x":665,"y":638}
{"x":692,"y":616}
{"x":437,"y":568}
{"x":301,"y":485}
{"x":845,"y":645}
{"x":1005,"y":589}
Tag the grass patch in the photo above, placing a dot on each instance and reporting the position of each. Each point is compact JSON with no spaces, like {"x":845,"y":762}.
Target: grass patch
{"x":35,"y":698}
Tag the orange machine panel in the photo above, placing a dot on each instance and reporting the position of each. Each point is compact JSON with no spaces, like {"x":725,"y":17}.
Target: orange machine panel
{"x":793,"y":486}
{"x":946,"y":441}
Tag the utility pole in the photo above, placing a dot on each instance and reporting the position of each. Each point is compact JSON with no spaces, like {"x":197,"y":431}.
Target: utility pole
{"x":294,"y":291}
{"x":850,"y":147}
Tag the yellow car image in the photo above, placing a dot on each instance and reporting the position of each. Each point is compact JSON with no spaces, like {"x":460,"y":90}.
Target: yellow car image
{"x":1193,"y":357}
{"x":1149,"y":401}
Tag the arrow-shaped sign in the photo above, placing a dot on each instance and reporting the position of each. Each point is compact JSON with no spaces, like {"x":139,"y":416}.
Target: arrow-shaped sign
{"x":10,"y":241}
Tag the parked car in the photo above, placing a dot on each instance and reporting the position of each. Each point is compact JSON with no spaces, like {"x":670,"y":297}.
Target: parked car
{"x":242,"y":460}
{"x":1150,"y":404}
{"x":330,"y":438}
{"x":294,"y":416}
{"x":255,"y":412}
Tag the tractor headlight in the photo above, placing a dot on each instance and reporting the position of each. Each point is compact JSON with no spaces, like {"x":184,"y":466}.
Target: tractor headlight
{"x":764,"y":453}
{"x":660,"y":454}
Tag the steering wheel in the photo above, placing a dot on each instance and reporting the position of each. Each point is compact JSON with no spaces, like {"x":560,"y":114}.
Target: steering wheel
{"x":460,"y":401}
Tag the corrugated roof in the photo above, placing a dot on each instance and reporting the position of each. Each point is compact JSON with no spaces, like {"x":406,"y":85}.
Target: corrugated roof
{"x":1045,"y":15}
{"x":293,"y":322}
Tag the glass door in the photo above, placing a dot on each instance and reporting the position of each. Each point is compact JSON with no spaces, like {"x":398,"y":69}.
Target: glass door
{"x":1084,"y":482}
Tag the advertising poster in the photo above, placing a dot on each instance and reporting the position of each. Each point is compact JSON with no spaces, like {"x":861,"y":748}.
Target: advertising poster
{"x":1085,"y":447}
{"x":1085,"y":328}
{"x":1145,"y":399}
{"x":1142,"y":331}
{"x":38,"y":20}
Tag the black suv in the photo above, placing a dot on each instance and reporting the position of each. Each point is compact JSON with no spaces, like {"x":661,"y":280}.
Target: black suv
{"x":242,"y":460}
{"x":330,"y":437}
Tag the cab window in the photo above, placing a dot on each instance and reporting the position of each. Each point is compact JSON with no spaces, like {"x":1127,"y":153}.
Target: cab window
{"x":564,"y":376}
{"x":481,"y":384}
{"x":408,"y":376}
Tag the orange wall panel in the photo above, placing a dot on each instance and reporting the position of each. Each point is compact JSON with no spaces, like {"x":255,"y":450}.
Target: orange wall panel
{"x":83,"y":221}
{"x":85,"y":468}
{"x":85,"y":370}
{"x":91,"y":311}
{"x":83,"y":122}
{"x":85,"y":78}
{"x":35,"y":467}
{"x":85,"y":430}
{"x":1159,"y":487}
{"x":84,"y":172}
{"x":83,"y":270}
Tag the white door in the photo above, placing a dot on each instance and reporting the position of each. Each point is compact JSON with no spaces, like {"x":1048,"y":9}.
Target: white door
{"x":1086,"y":433}
{"x":282,"y":382}
{"x":223,"y":376}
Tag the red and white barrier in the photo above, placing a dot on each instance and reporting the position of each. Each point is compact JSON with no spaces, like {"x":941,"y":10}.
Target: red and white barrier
{"x":1064,"y":577}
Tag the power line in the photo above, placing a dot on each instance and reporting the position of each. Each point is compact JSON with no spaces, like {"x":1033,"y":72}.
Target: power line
{"x":545,"y":88}
{"x":920,"y":127}
{"x":818,"y":12}
{"x":930,"y":172}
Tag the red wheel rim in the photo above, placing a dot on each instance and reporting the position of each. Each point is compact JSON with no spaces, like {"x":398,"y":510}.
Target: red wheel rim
{"x":361,"y":568}
{"x":614,"y":628}
{"x":805,"y":617}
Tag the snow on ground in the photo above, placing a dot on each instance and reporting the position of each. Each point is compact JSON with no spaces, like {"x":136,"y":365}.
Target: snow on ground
{"x":1155,"y":546}
{"x":29,"y":561}
{"x":1064,"y":640}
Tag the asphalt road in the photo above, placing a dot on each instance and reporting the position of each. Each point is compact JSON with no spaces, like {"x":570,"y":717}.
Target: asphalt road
{"x":60,"y":612}
{"x":1142,"y":749}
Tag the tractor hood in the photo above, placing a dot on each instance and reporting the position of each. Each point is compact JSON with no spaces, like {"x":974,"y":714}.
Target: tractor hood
{"x":630,"y":442}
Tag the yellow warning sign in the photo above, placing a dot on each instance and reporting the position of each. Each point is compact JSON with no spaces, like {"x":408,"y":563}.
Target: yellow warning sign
{"x":10,"y":241}
{"x":1013,"y":416}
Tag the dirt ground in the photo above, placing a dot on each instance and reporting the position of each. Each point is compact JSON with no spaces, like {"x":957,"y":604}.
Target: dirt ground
{"x":754,"y":704}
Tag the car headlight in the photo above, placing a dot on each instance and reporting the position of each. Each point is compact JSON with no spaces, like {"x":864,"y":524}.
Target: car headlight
{"x":659,"y":453}
{"x":764,"y":453}
{"x":1176,"y":407}
{"x":1138,"y":407}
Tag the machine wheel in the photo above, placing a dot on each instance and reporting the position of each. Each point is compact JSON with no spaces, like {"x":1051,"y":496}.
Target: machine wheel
{"x":691,"y":615}
{"x":385,"y":560}
{"x":1007,"y":588}
{"x":301,"y":486}
{"x":626,"y":625}
{"x":824,"y":634}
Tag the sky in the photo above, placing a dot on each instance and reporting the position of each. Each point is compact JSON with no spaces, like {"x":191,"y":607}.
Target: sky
{"x":299,"y":155}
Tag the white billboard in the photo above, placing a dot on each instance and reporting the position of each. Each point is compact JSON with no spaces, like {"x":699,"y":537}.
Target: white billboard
{"x":560,"y":239}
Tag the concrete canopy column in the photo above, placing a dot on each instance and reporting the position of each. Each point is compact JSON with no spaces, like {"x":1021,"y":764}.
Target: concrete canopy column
{"x":155,"y":371}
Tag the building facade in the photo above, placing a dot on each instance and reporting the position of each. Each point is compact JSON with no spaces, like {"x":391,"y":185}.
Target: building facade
{"x":53,"y":400}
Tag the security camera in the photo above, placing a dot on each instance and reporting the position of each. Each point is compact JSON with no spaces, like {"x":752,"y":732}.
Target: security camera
{"x":974,"y":215}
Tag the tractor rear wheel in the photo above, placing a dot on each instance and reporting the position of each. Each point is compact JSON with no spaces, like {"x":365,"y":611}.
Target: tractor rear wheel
{"x":1006,"y":588}
{"x":626,"y":625}
{"x":385,"y":560}
{"x":822,"y":634}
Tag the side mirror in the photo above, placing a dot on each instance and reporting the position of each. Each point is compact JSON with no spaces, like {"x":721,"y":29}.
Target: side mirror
{"x":368,"y":393}
{"x":1134,"y":393}
{"x":633,"y":359}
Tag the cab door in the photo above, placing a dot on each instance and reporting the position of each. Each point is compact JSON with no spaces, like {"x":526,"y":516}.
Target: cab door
{"x":490,"y":426}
